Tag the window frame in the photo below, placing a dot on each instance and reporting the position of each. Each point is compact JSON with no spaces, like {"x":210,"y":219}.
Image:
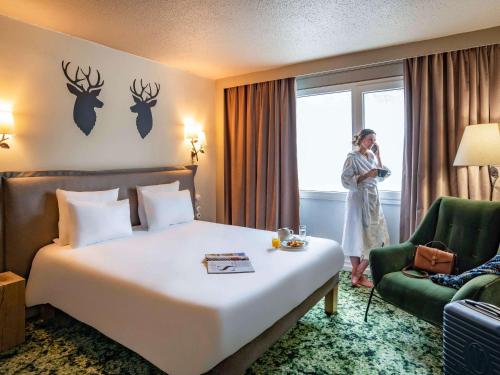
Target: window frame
{"x":358,"y":122}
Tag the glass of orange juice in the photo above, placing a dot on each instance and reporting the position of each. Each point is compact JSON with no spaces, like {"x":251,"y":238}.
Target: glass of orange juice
{"x":276,"y":242}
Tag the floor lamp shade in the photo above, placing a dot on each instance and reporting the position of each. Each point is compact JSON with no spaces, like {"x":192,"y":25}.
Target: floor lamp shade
{"x":480,"y":145}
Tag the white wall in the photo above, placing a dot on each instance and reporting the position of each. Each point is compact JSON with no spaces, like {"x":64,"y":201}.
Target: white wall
{"x":31,"y":79}
{"x":323,"y":213}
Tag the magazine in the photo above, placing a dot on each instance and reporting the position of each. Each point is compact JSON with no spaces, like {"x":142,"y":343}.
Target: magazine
{"x":228,"y":263}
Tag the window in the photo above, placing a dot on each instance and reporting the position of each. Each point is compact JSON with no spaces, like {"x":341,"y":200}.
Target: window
{"x":327,"y":117}
{"x":383,"y":111}
{"x":324,"y":139}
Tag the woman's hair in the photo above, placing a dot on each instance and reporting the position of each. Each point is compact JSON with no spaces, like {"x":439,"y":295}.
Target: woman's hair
{"x":356,"y":140}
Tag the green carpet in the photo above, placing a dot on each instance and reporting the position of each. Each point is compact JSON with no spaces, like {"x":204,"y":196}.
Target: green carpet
{"x":392,"y":342}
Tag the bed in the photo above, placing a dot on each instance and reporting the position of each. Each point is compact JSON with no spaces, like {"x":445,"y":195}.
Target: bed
{"x":151,"y":291}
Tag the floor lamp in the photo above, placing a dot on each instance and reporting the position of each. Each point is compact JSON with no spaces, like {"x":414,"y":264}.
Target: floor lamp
{"x":480,"y":146}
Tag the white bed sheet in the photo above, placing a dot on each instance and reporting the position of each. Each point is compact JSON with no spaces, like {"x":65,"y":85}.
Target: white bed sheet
{"x":151,"y":292}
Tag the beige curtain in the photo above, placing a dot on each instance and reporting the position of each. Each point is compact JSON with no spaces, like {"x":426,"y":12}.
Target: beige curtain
{"x":443,"y":94}
{"x":260,"y":156}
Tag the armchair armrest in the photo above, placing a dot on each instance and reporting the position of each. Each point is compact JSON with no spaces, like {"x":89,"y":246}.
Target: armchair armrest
{"x":484,"y":288}
{"x":388,"y":259}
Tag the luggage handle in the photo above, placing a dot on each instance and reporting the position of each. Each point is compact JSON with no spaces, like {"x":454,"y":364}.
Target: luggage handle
{"x":484,"y":307}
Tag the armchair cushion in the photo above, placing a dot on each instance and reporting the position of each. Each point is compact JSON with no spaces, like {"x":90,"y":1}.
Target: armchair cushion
{"x":420,"y":297}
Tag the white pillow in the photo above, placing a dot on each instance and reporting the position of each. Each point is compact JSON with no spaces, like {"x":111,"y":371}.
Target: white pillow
{"x":174,"y":186}
{"x":92,"y":222}
{"x":167,"y":208}
{"x":88,"y":196}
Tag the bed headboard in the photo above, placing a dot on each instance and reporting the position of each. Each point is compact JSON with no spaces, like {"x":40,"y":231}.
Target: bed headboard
{"x":29,"y":212}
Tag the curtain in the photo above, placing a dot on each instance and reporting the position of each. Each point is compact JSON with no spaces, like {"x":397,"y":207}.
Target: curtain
{"x":443,"y":94}
{"x":260,"y":155}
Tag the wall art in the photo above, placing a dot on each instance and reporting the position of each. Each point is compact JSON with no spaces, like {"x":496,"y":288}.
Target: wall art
{"x":86,"y":94}
{"x":144,"y":100}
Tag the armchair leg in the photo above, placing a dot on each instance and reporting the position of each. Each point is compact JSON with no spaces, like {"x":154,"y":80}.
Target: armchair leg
{"x":369,"y":303}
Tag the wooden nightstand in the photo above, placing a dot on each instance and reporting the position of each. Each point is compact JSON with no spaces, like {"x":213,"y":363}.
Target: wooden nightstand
{"x":12,"y":310}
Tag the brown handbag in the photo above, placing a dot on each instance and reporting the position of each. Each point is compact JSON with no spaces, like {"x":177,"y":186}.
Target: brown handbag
{"x":431,"y":260}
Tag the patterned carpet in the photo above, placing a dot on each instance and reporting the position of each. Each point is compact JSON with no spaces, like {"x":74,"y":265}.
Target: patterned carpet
{"x":392,"y":342}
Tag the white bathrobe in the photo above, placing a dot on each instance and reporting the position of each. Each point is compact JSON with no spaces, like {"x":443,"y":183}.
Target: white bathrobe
{"x":364,"y":226}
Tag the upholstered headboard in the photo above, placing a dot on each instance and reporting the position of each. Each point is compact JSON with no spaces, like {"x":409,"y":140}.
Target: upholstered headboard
{"x":29,"y":212}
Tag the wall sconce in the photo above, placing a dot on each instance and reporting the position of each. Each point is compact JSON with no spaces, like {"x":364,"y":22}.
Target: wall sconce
{"x":195,"y":137}
{"x":6,"y":127}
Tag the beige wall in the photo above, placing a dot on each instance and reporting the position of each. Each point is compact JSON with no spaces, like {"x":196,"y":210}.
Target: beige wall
{"x":32,"y":80}
{"x":339,"y":63}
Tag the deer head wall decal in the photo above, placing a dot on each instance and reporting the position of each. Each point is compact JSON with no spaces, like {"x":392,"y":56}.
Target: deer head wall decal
{"x":143,"y":106}
{"x":86,"y":98}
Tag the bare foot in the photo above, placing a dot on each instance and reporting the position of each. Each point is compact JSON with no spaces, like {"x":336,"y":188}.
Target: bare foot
{"x":355,"y":281}
{"x":354,"y":277}
{"x":364,"y":281}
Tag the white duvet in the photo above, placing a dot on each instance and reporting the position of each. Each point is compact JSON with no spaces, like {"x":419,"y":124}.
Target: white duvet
{"x":151,"y":292}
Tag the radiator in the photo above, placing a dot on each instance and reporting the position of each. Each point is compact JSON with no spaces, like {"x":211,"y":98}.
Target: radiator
{"x":471,"y":338}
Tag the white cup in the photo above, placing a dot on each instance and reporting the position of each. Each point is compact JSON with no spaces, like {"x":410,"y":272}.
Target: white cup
{"x":284,"y":233}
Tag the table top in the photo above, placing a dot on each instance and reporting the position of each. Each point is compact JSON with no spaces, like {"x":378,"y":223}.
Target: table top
{"x":9,"y":278}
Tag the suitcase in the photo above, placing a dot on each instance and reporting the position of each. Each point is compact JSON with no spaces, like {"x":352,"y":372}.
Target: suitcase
{"x":471,"y":338}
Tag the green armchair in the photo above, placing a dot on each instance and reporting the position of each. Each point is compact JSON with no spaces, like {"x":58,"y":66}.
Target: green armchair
{"x":471,"y":229}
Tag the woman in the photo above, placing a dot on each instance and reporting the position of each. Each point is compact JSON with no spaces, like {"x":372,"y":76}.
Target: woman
{"x":365,"y":225}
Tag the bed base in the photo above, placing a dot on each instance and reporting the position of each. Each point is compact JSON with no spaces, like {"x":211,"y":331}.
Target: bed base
{"x":238,"y":362}
{"x":47,"y":312}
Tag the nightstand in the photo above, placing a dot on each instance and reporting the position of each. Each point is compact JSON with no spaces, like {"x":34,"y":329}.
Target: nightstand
{"x":12,"y":310}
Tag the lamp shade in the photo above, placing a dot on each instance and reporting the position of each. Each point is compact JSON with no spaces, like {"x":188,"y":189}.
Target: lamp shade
{"x":191,"y":135}
{"x":480,"y":145}
{"x":191,"y":131}
{"x":202,"y":138}
{"x":6,"y":122}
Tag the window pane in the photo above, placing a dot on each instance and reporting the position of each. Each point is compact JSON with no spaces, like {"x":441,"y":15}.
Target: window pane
{"x":383,"y":112}
{"x":324,"y":134}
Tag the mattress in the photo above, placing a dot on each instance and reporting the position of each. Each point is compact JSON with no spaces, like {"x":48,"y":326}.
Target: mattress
{"x":151,"y":291}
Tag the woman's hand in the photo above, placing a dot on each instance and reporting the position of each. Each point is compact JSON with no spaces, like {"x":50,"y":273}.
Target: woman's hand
{"x":370,"y":173}
{"x":376,"y":150}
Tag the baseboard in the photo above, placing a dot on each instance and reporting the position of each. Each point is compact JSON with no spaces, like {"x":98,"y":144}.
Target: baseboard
{"x":347,"y":265}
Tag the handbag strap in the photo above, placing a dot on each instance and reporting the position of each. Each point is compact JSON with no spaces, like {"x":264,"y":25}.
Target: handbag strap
{"x":446,"y":248}
{"x":422,"y":274}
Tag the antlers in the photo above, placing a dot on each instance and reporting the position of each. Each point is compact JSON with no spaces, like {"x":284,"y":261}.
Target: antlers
{"x":76,"y":81}
{"x":145,"y":89}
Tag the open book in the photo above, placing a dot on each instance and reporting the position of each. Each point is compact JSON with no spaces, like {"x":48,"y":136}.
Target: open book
{"x":228,"y":263}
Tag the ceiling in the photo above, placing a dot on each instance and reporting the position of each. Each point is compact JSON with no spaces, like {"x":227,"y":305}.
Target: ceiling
{"x":222,"y":38}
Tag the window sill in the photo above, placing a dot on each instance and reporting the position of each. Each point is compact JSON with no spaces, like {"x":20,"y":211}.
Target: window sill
{"x":386,"y":197}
